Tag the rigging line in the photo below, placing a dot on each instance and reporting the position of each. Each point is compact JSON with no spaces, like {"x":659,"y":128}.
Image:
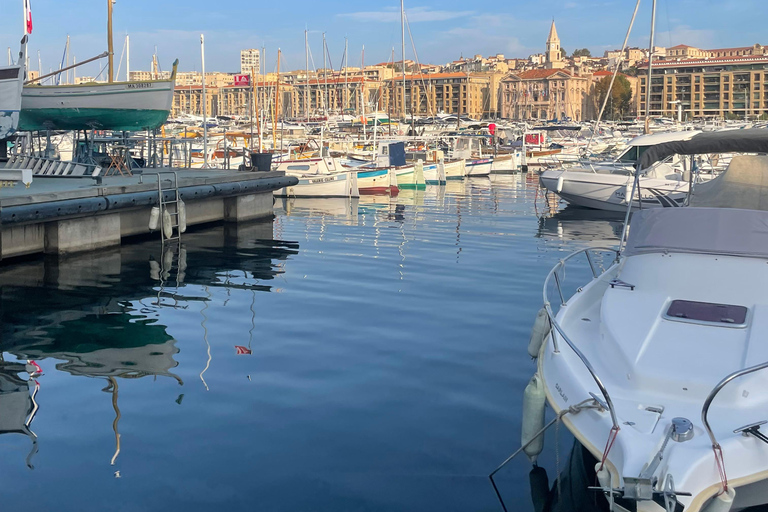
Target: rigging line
{"x":120,"y":62}
{"x":418,"y":64}
{"x":613,"y":78}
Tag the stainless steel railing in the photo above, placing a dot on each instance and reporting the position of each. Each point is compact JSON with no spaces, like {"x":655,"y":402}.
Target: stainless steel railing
{"x":557,"y":330}
{"x":712,"y":394}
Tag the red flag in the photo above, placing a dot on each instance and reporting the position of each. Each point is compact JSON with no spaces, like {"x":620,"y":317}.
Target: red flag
{"x":241,"y":351}
{"x":27,"y":17}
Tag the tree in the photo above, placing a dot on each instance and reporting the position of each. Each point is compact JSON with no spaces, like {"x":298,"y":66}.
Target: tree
{"x":563,"y":53}
{"x":620,"y":101}
{"x":581,"y":52}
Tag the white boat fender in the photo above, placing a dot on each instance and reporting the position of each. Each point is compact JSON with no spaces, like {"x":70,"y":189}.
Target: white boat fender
{"x":722,"y":502}
{"x":167,"y":226}
{"x":154,"y":218}
{"x":539,"y":332}
{"x":154,"y":269}
{"x":603,"y":475}
{"x":182,"y":216}
{"x":534,"y":400}
{"x":560,"y":184}
{"x":168,"y":259}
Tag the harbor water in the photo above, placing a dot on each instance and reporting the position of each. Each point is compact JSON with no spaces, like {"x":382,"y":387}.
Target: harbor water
{"x":350,"y":355}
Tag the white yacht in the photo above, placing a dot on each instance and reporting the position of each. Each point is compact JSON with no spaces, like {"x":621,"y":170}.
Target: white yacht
{"x":657,"y":365}
{"x":607,"y":185}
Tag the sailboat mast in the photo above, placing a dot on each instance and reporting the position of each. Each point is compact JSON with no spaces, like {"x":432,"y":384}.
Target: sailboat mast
{"x":402,"y":32}
{"x":650,"y":66}
{"x":277,"y":103}
{"x":306,"y":58}
{"x":67,"y":60}
{"x":325,"y":79}
{"x":127,"y":57}
{"x":346,"y":79}
{"x":110,"y":48}
{"x":205,"y":103}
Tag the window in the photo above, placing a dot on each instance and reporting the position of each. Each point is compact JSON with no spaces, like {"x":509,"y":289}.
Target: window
{"x":726,"y":78}
{"x":696,"y":87}
{"x":726,"y":96}
{"x":697,"y":79}
{"x":726,"y":87}
{"x":757,"y":77}
{"x":696,"y":96}
{"x":723,"y":315}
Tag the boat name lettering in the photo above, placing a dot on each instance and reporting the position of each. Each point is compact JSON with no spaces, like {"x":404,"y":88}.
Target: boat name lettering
{"x":142,"y":85}
{"x":560,"y":391}
{"x":322,"y":180}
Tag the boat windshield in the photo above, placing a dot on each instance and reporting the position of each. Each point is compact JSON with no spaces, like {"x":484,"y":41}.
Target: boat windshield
{"x":632,"y":154}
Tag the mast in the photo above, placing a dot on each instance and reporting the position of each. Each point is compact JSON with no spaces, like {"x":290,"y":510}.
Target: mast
{"x":127,"y":57}
{"x":110,"y":48}
{"x":362,"y":93}
{"x":346,"y":80}
{"x":650,"y":66}
{"x":205,"y":105}
{"x":392,"y":95}
{"x":306,"y":57}
{"x":402,"y":32}
{"x":325,"y":80}
{"x":67,"y":59}
{"x":277,"y":103}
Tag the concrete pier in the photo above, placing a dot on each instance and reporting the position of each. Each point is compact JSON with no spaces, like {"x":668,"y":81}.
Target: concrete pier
{"x":58,"y":215}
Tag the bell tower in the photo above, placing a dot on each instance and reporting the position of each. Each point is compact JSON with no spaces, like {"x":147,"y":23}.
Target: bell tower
{"x":554,"y":60}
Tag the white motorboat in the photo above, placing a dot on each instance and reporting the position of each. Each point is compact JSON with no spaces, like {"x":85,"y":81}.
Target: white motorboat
{"x":11,"y":83}
{"x":608,"y":185}
{"x":318,"y":177}
{"x":470,"y":148}
{"x":656,"y":364}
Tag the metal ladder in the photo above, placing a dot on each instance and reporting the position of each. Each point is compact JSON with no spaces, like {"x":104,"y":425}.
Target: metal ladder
{"x":172,"y":253}
{"x":163,"y":204}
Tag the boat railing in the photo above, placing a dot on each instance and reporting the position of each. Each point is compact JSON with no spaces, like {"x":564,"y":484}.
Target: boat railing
{"x":712,"y":394}
{"x":558,"y":331}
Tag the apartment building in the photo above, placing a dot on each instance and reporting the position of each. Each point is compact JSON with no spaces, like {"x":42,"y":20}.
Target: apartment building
{"x":470,"y":94}
{"x":250,"y":60}
{"x":720,"y":86}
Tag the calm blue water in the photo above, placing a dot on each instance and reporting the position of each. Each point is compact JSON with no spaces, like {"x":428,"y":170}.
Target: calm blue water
{"x":388,"y":358}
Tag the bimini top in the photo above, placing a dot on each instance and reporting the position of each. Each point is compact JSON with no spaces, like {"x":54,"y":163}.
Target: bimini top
{"x":723,"y":231}
{"x":753,"y":140}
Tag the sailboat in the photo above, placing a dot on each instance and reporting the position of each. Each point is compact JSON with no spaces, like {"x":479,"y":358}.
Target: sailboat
{"x":120,"y":106}
{"x":11,"y":80}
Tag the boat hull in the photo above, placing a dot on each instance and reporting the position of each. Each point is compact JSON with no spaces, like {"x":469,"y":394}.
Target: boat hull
{"x":124,"y":106}
{"x":455,"y":170}
{"x":609,"y":191}
{"x":378,"y":181}
{"x":480,"y":167}
{"x":342,"y":184}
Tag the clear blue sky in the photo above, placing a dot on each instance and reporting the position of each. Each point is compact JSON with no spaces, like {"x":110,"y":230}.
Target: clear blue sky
{"x":442,"y":30}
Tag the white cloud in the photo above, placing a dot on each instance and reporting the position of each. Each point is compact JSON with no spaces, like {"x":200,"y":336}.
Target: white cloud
{"x":414,"y":15}
{"x":683,"y":34}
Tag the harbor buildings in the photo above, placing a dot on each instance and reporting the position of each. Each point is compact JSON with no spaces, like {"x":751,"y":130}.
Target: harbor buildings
{"x":250,"y":60}
{"x":471,"y":94}
{"x":545,"y":94}
{"x":733,"y":86}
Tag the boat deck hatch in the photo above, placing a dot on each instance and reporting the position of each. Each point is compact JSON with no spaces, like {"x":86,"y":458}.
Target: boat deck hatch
{"x":725,"y":315}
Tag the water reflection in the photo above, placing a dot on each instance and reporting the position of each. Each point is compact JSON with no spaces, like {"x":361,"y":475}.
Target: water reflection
{"x":99,"y":315}
{"x":17,"y":402}
{"x":572,"y":223}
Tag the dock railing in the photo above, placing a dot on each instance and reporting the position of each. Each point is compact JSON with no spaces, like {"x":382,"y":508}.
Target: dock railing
{"x":557,"y":330}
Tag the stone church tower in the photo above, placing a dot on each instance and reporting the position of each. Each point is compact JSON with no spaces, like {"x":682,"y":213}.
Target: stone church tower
{"x":554,"y":60}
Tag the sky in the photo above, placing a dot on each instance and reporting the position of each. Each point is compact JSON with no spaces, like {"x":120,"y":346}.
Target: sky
{"x":442,"y":31}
